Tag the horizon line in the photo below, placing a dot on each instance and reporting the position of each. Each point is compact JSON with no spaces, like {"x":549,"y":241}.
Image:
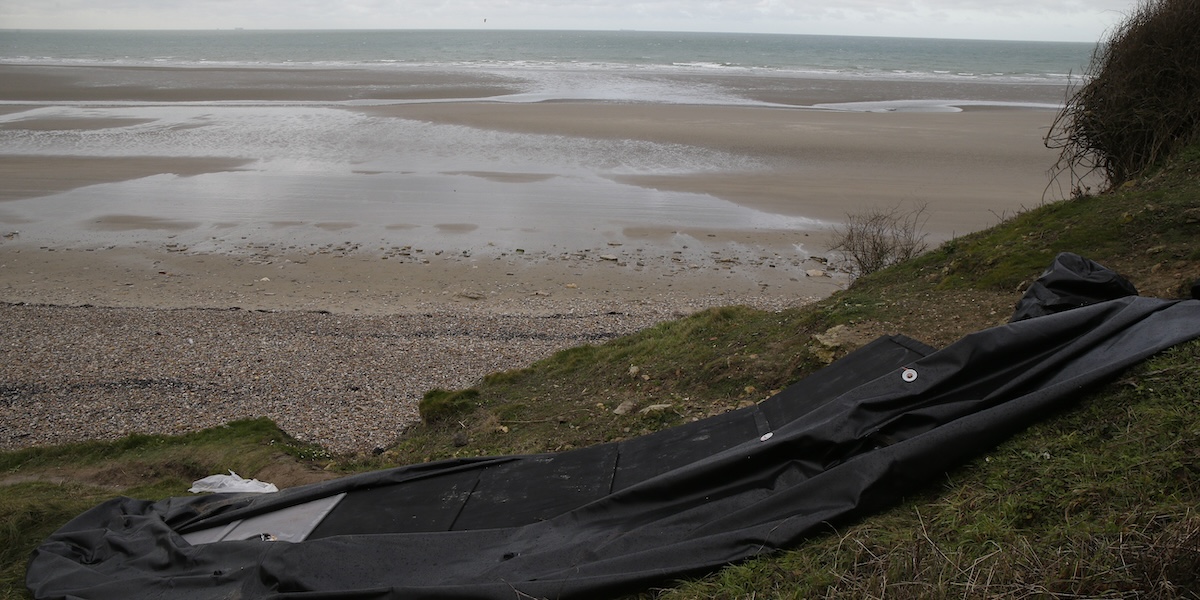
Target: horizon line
{"x":529,"y":29}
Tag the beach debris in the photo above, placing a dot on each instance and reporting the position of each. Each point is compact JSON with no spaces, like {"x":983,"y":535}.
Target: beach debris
{"x":572,"y":286}
{"x":816,"y":273}
{"x":231,"y":483}
{"x":608,"y":257}
{"x":625,"y":408}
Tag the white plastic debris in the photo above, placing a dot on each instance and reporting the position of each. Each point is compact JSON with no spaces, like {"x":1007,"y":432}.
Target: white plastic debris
{"x":231,"y":484}
{"x":909,"y":375}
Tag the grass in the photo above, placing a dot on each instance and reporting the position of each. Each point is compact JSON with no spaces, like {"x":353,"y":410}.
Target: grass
{"x":1100,"y":501}
{"x":43,"y":488}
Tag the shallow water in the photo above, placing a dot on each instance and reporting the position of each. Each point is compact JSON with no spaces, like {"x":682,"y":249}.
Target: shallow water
{"x":331,"y":174}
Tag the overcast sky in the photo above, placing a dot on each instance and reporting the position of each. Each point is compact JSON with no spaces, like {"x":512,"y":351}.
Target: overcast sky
{"x":1064,"y":20}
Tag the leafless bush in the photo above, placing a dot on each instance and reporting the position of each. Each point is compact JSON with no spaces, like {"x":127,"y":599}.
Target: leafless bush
{"x":878,"y":237}
{"x":1140,"y":100}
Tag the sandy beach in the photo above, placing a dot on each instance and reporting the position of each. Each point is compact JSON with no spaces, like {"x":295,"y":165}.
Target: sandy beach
{"x":159,"y":198}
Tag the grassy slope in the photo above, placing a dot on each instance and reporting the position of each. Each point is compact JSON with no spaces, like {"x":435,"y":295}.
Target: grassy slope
{"x":41,"y":489}
{"x":1098,"y":501}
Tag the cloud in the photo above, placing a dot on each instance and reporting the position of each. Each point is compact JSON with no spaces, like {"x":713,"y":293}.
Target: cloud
{"x":927,"y":18}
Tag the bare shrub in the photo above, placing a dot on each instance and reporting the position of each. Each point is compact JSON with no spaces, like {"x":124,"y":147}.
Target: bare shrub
{"x":1140,"y":98}
{"x":878,"y":237}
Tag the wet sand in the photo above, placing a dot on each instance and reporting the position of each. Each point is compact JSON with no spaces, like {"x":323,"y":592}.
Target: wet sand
{"x":165,"y":84}
{"x":794,"y":172}
{"x":36,"y":176}
{"x":970,"y":166}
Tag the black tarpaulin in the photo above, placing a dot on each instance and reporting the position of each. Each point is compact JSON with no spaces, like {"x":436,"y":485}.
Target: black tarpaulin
{"x":598,"y":521}
{"x":1069,"y":282}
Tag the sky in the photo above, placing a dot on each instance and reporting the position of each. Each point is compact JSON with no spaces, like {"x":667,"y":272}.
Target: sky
{"x":1053,"y":20}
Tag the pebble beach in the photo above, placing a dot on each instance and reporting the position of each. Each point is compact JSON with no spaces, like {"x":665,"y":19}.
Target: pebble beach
{"x":347,"y":382}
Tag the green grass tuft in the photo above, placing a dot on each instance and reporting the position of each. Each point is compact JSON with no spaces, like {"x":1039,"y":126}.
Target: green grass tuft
{"x":440,"y":406}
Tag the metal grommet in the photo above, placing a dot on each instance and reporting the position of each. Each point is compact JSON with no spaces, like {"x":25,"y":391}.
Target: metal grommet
{"x":909,"y":375}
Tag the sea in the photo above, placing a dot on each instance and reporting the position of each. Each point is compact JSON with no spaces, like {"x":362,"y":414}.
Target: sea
{"x":542,"y":57}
